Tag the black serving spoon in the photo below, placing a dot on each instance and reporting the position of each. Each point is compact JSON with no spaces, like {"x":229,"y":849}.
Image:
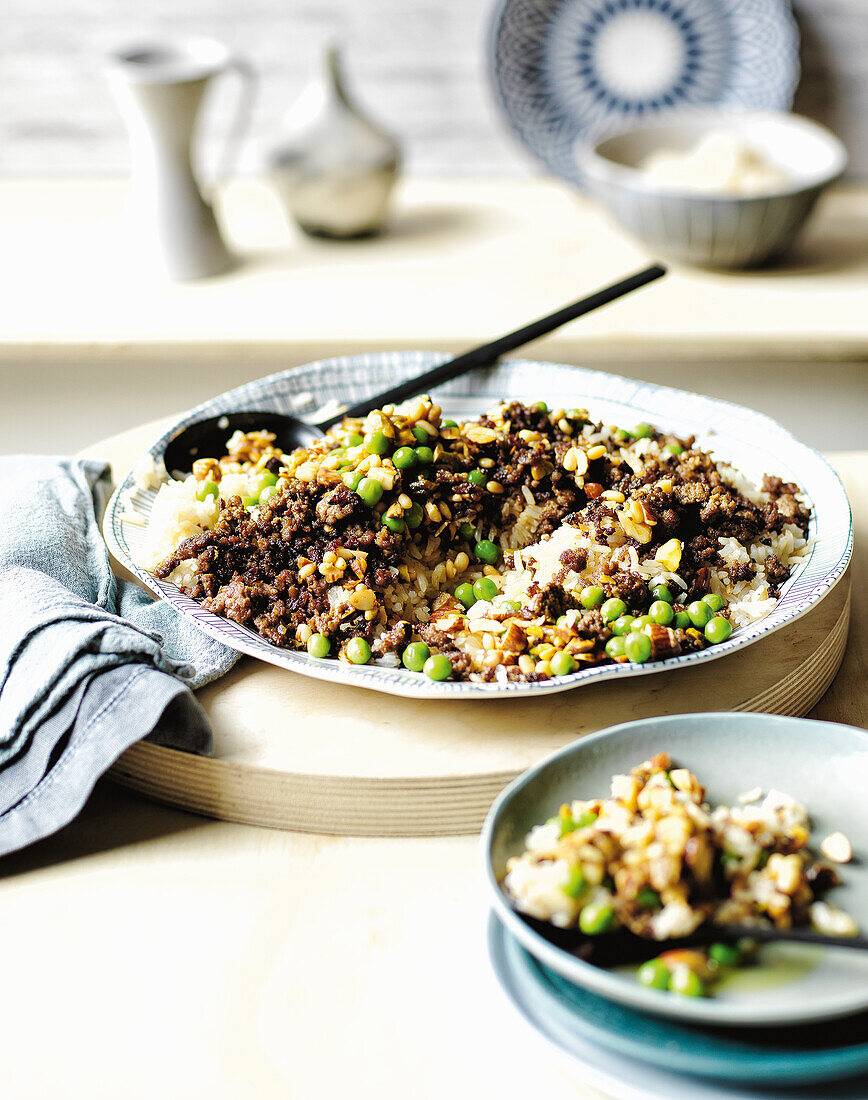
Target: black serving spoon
{"x":207,"y":438}
{"x":623,"y":948}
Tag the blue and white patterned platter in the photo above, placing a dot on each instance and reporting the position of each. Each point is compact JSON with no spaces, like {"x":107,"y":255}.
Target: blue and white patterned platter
{"x":569,"y":71}
{"x":751,"y":442}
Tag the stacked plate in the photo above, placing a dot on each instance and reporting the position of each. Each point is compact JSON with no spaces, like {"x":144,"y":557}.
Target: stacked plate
{"x":795,"y":1020}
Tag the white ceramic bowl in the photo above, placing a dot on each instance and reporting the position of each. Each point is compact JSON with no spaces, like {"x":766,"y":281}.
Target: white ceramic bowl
{"x":715,"y":230}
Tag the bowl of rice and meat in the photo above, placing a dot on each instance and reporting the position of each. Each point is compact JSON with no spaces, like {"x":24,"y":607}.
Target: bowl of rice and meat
{"x":437,"y":547}
{"x":610,"y":851}
{"x":521,"y":546}
{"x":655,"y":859}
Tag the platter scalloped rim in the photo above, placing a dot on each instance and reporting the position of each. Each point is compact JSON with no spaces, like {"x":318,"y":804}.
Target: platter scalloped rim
{"x":750,"y":441}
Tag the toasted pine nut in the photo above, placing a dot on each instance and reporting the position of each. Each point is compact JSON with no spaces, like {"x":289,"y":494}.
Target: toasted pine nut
{"x":837,"y":848}
{"x":363,"y":599}
{"x":596,"y":452}
{"x":494,"y":487}
{"x":306,"y":571}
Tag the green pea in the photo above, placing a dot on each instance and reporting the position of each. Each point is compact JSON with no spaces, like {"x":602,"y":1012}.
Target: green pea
{"x":622,"y":436}
{"x":318,"y":645}
{"x":448,"y":424}
{"x":641,"y":622}
{"x":718,"y":630}
{"x":622,"y":625}
{"x":394,"y":524}
{"x":673,"y":449}
{"x":577,"y":414}
{"x":438,"y":667}
{"x":615,"y":647}
{"x":358,"y":651}
{"x":539,"y":407}
{"x":207,"y":489}
{"x":415,"y":656}
{"x":661,"y":612}
{"x":597,"y":917}
{"x":648,"y":898}
{"x":250,"y":502}
{"x":354,"y":439}
{"x":376,"y":443}
{"x":465,"y":593}
{"x":477,"y":477}
{"x":561,"y":621}
{"x":413,"y":516}
{"x":642,"y":431}
{"x":576,"y":884}
{"x":715,"y":602}
{"x":421,"y":435}
{"x":370,"y":490}
{"x":585,"y":819}
{"x":562,"y":663}
{"x":485,"y":589}
{"x":700,"y":614}
{"x":352,"y":479}
{"x":682,"y":620}
{"x":424,"y":456}
{"x":267,"y":493}
{"x":686,"y":982}
{"x":511,"y":605}
{"x":654,"y":974}
{"x":637,"y":647}
{"x":591,"y":596}
{"x":662,"y":592}
{"x":725,"y":954}
{"x":467,"y":531}
{"x":487,"y":551}
{"x":612,"y":609}
{"x":404,"y":458}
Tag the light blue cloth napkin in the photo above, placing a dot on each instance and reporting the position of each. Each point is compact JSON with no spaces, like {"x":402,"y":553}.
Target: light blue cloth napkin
{"x":88,"y":664}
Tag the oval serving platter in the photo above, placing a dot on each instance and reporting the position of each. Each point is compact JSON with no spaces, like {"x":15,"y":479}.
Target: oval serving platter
{"x":751,"y":442}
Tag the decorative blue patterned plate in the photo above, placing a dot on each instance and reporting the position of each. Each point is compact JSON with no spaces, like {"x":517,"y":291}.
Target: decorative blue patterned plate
{"x":569,"y":71}
{"x":751,"y":442}
{"x":631,"y":1056}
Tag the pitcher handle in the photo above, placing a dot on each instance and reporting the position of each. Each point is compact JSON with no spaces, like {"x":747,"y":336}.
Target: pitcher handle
{"x":241,"y":120}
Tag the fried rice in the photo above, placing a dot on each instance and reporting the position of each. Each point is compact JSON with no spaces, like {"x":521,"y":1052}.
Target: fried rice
{"x":545,"y":523}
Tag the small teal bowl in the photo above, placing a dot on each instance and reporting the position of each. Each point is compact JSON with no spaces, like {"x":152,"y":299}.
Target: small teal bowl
{"x":823,"y":766}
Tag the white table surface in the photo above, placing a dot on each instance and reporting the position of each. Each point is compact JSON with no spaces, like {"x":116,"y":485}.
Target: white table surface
{"x":93,"y":341}
{"x":153,"y":953}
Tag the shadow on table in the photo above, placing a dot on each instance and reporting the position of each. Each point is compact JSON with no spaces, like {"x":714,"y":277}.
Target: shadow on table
{"x":112,"y":818}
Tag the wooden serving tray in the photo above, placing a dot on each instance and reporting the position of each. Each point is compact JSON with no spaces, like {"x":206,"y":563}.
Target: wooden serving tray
{"x":296,"y":753}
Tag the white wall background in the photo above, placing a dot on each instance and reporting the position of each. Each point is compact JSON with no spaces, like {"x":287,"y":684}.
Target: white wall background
{"x":419,"y":65}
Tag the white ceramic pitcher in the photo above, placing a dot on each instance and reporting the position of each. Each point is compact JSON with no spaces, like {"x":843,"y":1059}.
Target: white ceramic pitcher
{"x":159,"y":87}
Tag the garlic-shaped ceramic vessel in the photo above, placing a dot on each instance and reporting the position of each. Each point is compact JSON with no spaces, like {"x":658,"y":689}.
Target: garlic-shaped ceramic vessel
{"x":333,"y":168}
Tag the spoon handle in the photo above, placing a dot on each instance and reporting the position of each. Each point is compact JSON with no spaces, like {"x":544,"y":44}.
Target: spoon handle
{"x":487,"y":354}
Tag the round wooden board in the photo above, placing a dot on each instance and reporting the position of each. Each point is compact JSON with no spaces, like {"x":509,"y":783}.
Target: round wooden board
{"x":296,"y":753}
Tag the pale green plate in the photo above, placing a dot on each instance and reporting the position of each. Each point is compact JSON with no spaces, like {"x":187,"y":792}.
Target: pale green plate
{"x":822,"y":765}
